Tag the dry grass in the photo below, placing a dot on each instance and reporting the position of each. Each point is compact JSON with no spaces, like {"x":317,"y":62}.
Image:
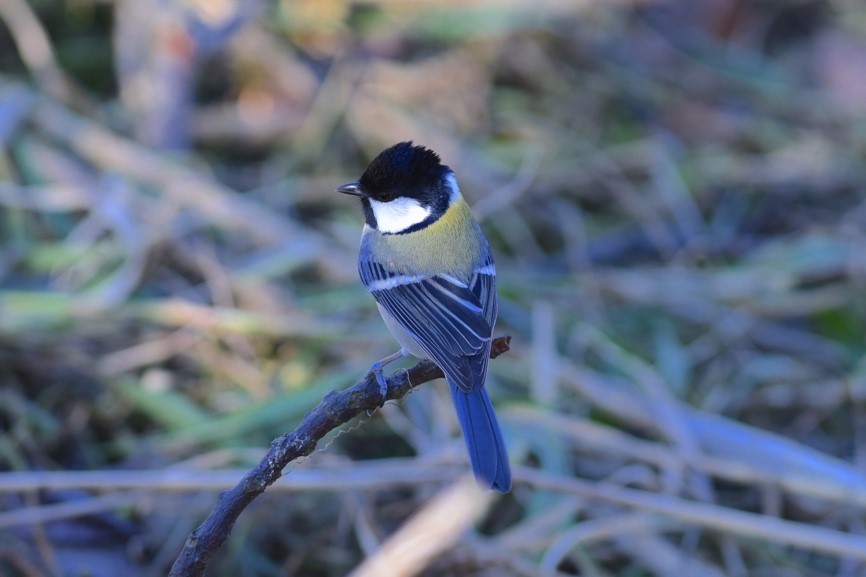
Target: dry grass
{"x":675,"y":199}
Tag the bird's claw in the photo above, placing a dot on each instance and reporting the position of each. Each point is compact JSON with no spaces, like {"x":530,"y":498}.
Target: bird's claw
{"x":376,"y":371}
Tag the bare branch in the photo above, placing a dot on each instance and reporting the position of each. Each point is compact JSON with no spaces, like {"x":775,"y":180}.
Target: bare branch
{"x":335,"y":409}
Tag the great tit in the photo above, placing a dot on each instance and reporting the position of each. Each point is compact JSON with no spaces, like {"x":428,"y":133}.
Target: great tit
{"x":429,"y":267}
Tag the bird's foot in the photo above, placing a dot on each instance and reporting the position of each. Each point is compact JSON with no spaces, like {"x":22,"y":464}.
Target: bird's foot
{"x":376,"y":371}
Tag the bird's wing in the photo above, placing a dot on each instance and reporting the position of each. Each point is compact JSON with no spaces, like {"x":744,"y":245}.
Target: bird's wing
{"x":483,"y":286}
{"x":445,"y":316}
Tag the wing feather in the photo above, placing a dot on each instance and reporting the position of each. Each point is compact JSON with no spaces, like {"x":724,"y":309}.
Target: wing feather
{"x":452,"y":321}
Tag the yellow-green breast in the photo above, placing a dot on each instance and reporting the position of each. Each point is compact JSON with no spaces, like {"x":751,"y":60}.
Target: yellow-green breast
{"x":454,"y":245}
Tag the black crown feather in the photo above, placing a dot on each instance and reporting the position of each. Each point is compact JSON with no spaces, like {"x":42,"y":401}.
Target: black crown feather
{"x":403,"y":170}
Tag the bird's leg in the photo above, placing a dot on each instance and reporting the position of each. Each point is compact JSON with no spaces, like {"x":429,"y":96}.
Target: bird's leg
{"x":376,"y":370}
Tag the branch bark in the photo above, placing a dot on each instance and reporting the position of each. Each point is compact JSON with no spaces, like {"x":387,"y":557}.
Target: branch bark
{"x":334,"y":410}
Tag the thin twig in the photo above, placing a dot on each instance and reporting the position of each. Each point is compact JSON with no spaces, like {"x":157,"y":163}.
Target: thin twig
{"x":339,"y":476}
{"x":429,"y":532}
{"x":34,"y":48}
{"x":335,"y":409}
{"x":714,"y":517}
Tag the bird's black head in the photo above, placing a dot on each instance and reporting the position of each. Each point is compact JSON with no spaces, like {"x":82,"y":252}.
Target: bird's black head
{"x":404,"y":170}
{"x":401,"y":173}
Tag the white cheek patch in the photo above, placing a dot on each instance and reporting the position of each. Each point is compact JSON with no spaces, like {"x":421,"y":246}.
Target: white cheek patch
{"x":399,"y":214}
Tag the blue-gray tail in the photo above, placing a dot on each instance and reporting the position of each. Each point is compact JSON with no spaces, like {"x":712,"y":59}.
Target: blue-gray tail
{"x":483,"y":438}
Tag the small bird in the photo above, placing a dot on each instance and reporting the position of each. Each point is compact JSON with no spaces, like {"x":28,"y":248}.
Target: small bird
{"x":429,"y":267}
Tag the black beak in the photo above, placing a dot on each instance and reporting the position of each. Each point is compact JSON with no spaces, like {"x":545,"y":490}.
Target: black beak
{"x":353,"y":188}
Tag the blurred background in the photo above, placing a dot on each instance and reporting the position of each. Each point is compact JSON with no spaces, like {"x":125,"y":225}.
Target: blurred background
{"x":674,"y":194}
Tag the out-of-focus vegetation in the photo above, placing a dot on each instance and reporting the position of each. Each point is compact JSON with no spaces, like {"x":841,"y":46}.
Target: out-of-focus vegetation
{"x":675,"y":196}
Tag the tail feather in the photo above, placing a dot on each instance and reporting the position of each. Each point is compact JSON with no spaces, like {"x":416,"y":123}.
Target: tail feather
{"x":483,"y":437}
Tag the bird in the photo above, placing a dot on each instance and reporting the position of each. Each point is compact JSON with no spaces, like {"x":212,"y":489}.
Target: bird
{"x":428,"y":265}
